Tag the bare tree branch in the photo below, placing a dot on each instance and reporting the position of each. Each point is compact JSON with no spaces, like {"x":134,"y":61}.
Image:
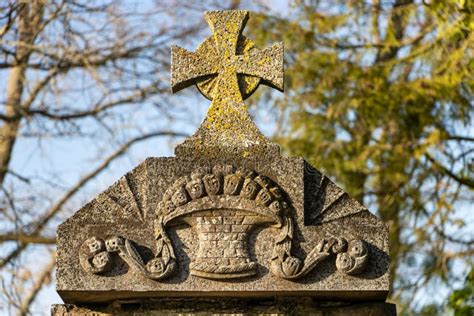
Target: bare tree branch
{"x":41,"y":223}
{"x":27,"y":239}
{"x":461,"y":138}
{"x":43,"y":278}
{"x":462,"y":180}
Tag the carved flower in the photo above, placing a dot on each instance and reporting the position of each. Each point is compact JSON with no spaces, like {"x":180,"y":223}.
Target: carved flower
{"x":357,"y":248}
{"x":264,"y":197}
{"x":249,"y":189}
{"x":102,"y":261}
{"x":291,"y":266}
{"x":180,"y":197}
{"x":95,"y":245}
{"x":212,"y":184}
{"x":232,"y":184}
{"x":344,"y":262}
{"x":195,"y":189}
{"x":340,"y":245}
{"x":355,"y":260}
{"x":156,"y":266}
{"x":113,"y":243}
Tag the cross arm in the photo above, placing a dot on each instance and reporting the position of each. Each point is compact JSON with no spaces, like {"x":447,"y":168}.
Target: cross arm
{"x":187,"y":67}
{"x":266,"y":64}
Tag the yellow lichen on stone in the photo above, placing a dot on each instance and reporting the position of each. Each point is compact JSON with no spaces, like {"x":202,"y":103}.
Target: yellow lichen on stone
{"x":228,"y":69}
{"x":264,"y":60}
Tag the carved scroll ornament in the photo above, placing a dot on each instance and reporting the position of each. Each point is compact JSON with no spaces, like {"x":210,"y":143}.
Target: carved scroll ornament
{"x":223,"y":205}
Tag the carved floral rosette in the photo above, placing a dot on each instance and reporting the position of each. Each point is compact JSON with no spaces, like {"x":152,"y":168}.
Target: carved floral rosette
{"x":223,"y":204}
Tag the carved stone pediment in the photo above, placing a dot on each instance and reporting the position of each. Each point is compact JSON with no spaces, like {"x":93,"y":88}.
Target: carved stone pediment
{"x":170,"y":227}
{"x":223,"y":205}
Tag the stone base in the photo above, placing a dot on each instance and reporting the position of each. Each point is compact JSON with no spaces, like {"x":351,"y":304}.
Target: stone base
{"x":228,"y":306}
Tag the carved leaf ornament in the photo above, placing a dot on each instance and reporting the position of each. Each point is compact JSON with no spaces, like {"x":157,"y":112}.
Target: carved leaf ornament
{"x":223,"y":205}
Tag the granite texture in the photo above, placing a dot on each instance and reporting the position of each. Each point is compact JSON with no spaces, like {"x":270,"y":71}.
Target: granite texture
{"x":280,"y":306}
{"x":228,"y":216}
{"x":128,"y":208}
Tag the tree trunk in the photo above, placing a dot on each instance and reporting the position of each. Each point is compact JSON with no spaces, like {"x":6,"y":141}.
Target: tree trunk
{"x":28,"y":21}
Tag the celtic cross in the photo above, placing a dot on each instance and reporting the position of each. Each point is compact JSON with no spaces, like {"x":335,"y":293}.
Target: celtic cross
{"x":227,"y":68}
{"x":226,"y":55}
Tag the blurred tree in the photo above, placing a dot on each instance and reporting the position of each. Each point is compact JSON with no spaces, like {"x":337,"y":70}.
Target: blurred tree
{"x":462,"y":300}
{"x":76,"y":70}
{"x":380,"y":97}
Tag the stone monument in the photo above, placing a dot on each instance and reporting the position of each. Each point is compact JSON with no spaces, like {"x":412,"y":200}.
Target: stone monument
{"x":229,"y":225}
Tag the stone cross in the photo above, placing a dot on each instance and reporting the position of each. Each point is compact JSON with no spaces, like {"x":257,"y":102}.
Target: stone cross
{"x":227,"y":68}
{"x":226,"y":55}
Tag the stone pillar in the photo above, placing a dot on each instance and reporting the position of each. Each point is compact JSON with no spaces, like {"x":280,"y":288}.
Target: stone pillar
{"x":228,"y":306}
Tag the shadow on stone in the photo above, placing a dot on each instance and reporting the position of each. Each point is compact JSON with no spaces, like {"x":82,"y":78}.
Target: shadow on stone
{"x":378,"y":264}
{"x":181,"y":255}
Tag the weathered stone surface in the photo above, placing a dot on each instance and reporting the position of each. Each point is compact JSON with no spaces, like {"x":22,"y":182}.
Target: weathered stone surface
{"x":128,"y":209}
{"x":285,"y":306}
{"x":228,"y":216}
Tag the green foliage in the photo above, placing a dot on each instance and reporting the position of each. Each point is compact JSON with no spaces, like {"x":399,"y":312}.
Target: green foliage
{"x":380,"y":97}
{"x":462,"y":300}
